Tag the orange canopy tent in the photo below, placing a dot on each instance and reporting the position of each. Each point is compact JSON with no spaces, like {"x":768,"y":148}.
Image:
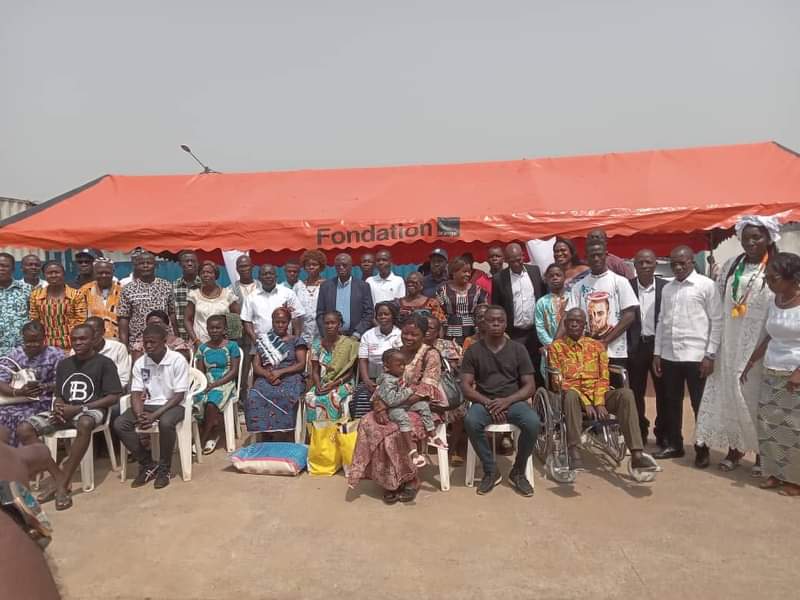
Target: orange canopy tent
{"x":656,"y":198}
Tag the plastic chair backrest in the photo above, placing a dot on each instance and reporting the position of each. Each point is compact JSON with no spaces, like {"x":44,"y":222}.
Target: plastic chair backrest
{"x":197,"y":383}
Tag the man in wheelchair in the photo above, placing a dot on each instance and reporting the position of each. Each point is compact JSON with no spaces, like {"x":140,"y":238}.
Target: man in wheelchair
{"x":582,"y":363}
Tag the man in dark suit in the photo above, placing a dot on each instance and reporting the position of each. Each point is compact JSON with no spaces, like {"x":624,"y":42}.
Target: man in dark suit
{"x":641,"y":338}
{"x":351,"y":297}
{"x":517,"y":288}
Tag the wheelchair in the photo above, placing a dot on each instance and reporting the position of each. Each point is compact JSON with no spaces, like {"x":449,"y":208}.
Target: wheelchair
{"x":602,"y":438}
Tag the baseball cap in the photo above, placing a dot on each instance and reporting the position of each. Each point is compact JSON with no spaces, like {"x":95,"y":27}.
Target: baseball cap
{"x":91,"y":252}
{"x":439,"y":252}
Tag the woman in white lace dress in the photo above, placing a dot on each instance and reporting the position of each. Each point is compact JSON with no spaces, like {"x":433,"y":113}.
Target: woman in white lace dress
{"x":727,"y":416}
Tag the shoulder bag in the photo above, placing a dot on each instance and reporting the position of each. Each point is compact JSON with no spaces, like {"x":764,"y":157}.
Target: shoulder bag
{"x":19,"y":378}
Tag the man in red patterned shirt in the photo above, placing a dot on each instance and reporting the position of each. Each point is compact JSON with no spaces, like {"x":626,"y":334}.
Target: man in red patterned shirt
{"x":583,"y":364}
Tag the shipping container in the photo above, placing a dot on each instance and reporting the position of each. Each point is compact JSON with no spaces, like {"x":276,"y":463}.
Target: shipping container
{"x":8,"y":208}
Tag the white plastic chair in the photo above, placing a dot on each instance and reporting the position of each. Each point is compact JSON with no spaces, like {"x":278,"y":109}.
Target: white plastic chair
{"x":87,"y":462}
{"x":187,"y":431}
{"x":441,"y":458}
{"x":230,"y":415}
{"x":496,"y":428}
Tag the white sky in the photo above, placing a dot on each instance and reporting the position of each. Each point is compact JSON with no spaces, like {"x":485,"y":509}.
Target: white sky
{"x":94,"y":87}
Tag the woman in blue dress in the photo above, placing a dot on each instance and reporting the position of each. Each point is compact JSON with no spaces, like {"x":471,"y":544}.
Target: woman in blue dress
{"x":219,"y":359}
{"x":278,"y":385}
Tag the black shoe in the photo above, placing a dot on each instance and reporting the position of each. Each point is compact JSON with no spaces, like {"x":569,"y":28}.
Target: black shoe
{"x":669,"y":452}
{"x":701,"y":457}
{"x":162,"y":478}
{"x":489,"y":481}
{"x":520,"y":483}
{"x":146,"y":474}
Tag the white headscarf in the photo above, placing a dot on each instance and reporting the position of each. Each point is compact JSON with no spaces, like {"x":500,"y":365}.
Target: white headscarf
{"x":771,"y":224}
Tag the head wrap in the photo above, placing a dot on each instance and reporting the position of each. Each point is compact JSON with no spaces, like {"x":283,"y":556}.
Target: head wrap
{"x":771,"y":224}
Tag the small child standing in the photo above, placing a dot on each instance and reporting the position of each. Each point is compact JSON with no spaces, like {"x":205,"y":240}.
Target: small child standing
{"x":400,"y":400}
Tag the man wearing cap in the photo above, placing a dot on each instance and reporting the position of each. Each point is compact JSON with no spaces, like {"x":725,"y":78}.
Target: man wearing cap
{"x":103,"y":294}
{"x":438,"y":275}
{"x":84,"y":260}
{"x":132,"y":275}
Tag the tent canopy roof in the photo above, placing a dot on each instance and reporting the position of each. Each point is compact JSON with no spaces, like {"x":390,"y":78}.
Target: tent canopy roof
{"x":659,"y":193}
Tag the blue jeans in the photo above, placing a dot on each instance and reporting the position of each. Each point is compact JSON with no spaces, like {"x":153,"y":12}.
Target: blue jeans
{"x":519,"y":414}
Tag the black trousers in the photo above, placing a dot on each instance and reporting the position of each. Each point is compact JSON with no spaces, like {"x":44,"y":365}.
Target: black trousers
{"x":529,"y":339}
{"x":677,"y":376}
{"x":640,"y":365}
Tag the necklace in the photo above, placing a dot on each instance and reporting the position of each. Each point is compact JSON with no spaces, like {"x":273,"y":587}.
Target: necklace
{"x":740,"y":304}
{"x":786,"y":303}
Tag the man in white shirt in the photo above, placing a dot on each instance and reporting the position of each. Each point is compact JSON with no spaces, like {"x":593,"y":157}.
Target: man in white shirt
{"x":113,"y":349}
{"x":517,"y":288}
{"x":259,"y":306}
{"x":641,"y":340}
{"x":385,"y":285}
{"x":158,"y":391}
{"x":609,"y":302}
{"x":687,"y":338}
{"x":242,"y":288}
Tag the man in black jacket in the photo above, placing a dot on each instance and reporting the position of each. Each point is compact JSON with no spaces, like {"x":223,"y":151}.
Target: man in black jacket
{"x":517,"y":288}
{"x":348,"y":295}
{"x":641,"y":338}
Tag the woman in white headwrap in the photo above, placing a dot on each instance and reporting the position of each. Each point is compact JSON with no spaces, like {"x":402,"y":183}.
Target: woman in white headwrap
{"x":727,"y":416}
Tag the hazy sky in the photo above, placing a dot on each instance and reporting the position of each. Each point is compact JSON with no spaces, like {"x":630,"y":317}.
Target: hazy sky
{"x":94,"y":87}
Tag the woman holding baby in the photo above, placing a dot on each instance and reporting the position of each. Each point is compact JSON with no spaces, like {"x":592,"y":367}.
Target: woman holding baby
{"x":381,"y":453}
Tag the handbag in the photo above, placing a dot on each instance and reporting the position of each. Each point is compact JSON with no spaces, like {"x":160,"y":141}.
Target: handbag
{"x":451,"y":386}
{"x":324,"y":455}
{"x":18,"y":379}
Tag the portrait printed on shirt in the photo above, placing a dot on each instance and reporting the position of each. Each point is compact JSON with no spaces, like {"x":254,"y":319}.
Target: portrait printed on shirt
{"x":598,"y":307}
{"x":146,"y":383}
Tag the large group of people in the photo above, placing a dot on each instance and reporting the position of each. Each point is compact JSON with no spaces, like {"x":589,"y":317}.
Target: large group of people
{"x":454,"y":345}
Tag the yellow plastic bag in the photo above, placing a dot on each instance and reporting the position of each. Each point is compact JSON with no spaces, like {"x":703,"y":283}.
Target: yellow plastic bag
{"x":346,"y":438}
{"x":324,"y":457}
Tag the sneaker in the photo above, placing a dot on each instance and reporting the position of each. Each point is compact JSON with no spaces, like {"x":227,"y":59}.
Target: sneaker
{"x":489,"y":481}
{"x":162,"y":478}
{"x":146,"y":474}
{"x":520,"y":483}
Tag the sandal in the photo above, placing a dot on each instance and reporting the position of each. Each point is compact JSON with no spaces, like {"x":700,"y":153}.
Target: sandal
{"x":210,"y":446}
{"x":409,"y":493}
{"x":731,"y":461}
{"x":756,"y":471}
{"x":390,"y":497}
{"x":47,"y":496}
{"x":790,"y":490}
{"x":63,"y":500}
{"x":438,"y":442}
{"x":771,"y":483}
{"x":418,"y":459}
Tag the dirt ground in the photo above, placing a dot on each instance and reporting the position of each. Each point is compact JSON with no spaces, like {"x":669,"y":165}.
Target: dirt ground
{"x":696,"y":534}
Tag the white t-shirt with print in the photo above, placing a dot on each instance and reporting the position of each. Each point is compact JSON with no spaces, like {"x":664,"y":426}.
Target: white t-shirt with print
{"x":160,"y":381}
{"x":603,"y":298}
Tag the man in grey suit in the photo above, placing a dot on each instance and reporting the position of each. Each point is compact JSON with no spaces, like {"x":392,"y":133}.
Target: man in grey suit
{"x":351,"y":297}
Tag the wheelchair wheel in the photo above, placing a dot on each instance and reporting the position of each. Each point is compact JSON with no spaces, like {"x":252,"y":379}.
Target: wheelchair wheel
{"x":544,"y":441}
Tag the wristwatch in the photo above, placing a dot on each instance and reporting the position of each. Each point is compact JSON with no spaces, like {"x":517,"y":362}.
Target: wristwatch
{"x":17,"y":501}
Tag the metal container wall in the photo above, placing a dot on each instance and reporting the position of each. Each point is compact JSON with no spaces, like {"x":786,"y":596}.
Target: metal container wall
{"x":10,"y":207}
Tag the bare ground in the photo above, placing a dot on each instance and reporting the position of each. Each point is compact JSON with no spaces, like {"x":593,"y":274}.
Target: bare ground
{"x":696,"y":534}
